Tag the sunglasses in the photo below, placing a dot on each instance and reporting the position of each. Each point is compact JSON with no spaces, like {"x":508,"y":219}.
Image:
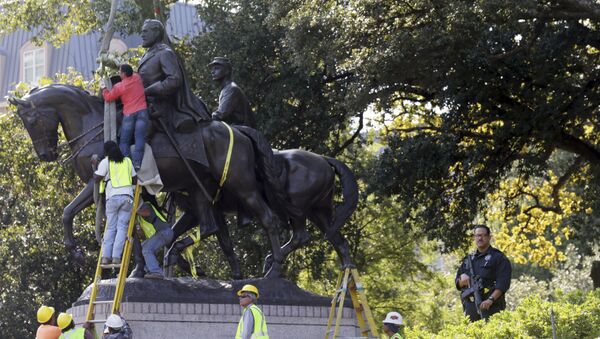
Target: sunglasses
{"x":244,"y":296}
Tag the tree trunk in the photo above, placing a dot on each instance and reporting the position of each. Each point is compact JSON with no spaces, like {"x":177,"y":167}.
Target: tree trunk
{"x":595,"y":274}
{"x":110,"y":110}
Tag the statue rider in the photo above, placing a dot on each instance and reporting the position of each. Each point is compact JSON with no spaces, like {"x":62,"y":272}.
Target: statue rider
{"x":234,"y":107}
{"x":166,"y":87}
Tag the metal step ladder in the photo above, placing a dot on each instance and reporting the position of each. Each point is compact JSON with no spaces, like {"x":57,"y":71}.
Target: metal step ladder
{"x":349,"y":281}
{"x":123,"y":268}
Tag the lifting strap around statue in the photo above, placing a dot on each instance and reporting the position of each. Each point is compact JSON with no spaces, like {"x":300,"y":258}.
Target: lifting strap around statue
{"x":188,"y":252}
{"x":227,"y":162}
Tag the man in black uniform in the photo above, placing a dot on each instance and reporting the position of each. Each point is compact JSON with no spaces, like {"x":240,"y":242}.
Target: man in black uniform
{"x":493,"y":268}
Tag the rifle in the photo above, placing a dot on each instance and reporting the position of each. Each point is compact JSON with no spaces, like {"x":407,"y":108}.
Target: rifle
{"x":475,"y":287}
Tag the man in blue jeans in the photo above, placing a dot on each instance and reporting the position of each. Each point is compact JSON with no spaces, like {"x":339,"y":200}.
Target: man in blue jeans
{"x":135,"y":112}
{"x":153,"y":226}
{"x":117,"y":177}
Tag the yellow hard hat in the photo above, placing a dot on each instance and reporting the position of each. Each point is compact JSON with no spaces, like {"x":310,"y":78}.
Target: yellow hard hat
{"x":64,"y":320}
{"x":248,"y":288}
{"x":44,"y":313}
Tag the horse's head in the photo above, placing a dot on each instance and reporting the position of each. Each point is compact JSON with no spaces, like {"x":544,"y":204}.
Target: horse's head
{"x":41,"y":124}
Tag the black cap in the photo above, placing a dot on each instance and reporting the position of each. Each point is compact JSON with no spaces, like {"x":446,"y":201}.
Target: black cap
{"x":220,"y":61}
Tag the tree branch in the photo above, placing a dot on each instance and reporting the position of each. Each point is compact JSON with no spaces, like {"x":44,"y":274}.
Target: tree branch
{"x":555,"y":190}
{"x":567,"y":10}
{"x":352,"y":138}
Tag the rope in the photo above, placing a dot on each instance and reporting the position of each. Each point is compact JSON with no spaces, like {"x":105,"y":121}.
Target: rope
{"x":188,"y":253}
{"x":227,"y":162}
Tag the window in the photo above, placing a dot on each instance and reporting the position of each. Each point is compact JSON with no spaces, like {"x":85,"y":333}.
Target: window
{"x":118,"y":46}
{"x":33,"y":62}
{"x":33,"y":65}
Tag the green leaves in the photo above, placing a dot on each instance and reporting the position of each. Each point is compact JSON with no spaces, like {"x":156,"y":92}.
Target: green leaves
{"x":576,"y":315}
{"x":35,"y":265}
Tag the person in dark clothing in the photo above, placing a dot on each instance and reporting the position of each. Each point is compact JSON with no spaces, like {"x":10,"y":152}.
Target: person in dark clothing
{"x":117,"y":328}
{"x":158,"y":233}
{"x":493,"y":268}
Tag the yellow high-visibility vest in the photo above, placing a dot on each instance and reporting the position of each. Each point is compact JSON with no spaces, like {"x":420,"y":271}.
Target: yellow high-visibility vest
{"x":74,"y":333}
{"x":146,"y":226}
{"x":119,"y":174}
{"x":260,"y":325}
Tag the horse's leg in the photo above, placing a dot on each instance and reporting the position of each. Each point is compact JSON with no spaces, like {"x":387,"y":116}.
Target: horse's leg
{"x":299,"y":237}
{"x":84,"y":199}
{"x":182,"y":225}
{"x":254,"y":202}
{"x":140,"y":263}
{"x":323,"y":219}
{"x":227,"y":246}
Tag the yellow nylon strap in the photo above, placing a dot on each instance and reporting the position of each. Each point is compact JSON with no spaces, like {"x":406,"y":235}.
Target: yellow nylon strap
{"x":188,"y":253}
{"x":227,"y":161}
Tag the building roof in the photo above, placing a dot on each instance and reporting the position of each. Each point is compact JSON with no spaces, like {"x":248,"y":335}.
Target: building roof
{"x":80,"y":51}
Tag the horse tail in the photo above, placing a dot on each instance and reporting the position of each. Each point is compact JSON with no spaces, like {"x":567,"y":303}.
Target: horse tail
{"x":270,"y":171}
{"x":349,"y":192}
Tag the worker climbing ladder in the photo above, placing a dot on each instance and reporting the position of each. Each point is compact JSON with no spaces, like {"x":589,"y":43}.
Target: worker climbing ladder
{"x":123,"y":267}
{"x":349,"y":281}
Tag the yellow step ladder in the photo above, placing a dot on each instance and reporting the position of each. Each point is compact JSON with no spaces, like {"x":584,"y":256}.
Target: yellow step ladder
{"x":123,"y":268}
{"x":349,"y":281}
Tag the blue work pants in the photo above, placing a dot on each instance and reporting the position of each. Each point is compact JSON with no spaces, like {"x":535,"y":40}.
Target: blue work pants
{"x":134,"y":125}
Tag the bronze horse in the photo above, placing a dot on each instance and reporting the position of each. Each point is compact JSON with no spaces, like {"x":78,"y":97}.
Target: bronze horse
{"x":307,"y":179}
{"x":43,"y":109}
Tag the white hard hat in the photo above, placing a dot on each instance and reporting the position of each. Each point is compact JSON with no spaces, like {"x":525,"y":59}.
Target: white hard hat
{"x":393,"y":318}
{"x":114,"y":321}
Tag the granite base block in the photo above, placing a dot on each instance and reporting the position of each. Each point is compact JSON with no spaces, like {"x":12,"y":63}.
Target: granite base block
{"x":216,"y":317}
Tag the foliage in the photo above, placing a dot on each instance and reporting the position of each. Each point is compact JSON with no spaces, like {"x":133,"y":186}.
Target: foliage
{"x":55,"y":21}
{"x":577,"y":315}
{"x":487,"y":111}
{"x":296,"y":106}
{"x":35,"y":265}
{"x":567,"y":277}
{"x":528,"y":233}
{"x":506,"y":85}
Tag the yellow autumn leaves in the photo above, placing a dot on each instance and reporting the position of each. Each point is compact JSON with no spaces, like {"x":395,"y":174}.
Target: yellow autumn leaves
{"x":539,"y":229}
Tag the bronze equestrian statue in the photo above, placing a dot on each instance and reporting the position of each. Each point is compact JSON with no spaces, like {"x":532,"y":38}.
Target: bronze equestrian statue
{"x":80,"y":115}
{"x":307,"y":178}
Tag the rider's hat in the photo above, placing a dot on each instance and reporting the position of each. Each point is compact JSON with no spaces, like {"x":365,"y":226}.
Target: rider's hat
{"x":220,"y":61}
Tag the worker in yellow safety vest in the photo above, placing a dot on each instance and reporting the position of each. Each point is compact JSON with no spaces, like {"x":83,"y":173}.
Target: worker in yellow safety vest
{"x":252,"y":325}
{"x":116,"y":176}
{"x":69,"y":331}
{"x":392,"y":325}
{"x":158,"y":233}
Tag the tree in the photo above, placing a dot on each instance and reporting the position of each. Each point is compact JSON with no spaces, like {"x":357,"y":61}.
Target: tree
{"x":55,"y":21}
{"x":508,"y":85}
{"x":35,"y":266}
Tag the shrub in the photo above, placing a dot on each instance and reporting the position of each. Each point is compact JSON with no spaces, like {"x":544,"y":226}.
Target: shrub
{"x":576,"y":315}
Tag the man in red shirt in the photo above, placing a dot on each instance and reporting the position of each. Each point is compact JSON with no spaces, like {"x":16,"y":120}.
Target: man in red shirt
{"x":135,"y":113}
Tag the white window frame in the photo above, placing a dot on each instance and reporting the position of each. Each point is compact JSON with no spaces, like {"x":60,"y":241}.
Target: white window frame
{"x":40,"y":69}
{"x":117,"y":45}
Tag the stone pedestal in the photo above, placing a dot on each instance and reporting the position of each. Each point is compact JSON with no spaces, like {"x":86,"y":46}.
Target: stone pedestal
{"x":186,"y":308}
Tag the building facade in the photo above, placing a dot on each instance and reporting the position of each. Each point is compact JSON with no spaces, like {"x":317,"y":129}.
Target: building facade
{"x":22,"y":61}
